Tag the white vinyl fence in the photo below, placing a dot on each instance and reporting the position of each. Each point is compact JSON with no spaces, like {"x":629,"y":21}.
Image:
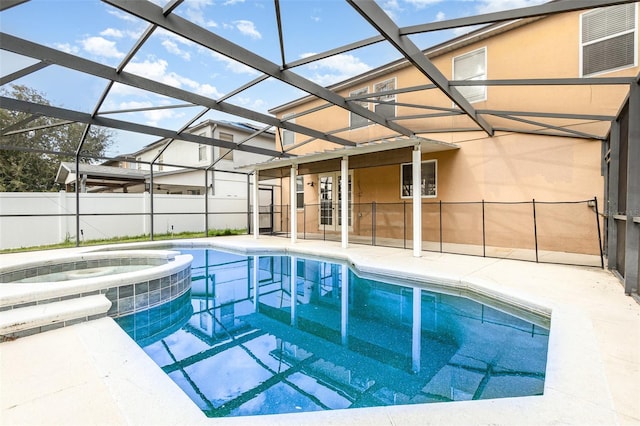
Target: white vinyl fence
{"x":33,"y":219}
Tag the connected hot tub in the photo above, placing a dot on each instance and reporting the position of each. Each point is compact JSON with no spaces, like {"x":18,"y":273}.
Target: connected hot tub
{"x":45,"y":294}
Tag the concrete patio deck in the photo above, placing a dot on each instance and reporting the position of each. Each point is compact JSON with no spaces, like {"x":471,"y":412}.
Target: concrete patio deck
{"x":93,"y":373}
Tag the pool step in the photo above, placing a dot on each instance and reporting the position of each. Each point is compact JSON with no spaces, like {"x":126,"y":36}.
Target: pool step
{"x":34,"y":319}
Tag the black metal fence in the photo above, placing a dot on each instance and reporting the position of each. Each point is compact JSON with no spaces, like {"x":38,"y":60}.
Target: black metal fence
{"x":565,"y":232}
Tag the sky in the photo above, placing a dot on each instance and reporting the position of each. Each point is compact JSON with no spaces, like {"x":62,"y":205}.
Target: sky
{"x":101,"y":33}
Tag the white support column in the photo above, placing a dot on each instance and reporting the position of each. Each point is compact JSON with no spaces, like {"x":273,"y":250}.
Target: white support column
{"x":344,"y":306}
{"x":294,"y":208}
{"x":256,"y":281}
{"x":294,"y":292}
{"x":417,"y":201}
{"x":416,"y":341}
{"x":344,"y":201}
{"x":256,"y":205}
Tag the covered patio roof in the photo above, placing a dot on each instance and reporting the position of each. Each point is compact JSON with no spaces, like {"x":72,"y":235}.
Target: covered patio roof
{"x":104,"y":176}
{"x":379,"y":153}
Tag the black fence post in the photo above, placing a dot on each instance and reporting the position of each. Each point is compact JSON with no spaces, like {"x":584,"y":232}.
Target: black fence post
{"x":484,"y":238}
{"x":324,"y":225}
{"x":535,"y":228}
{"x":271,"y":213}
{"x":373,"y":223}
{"x":404,"y":221}
{"x":595,"y":203}
{"x":440,"y":226}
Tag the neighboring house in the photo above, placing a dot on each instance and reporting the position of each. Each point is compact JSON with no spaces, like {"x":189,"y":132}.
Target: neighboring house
{"x":178,"y":166}
{"x":523,"y":160}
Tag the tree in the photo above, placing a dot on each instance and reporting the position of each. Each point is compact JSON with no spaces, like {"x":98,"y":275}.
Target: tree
{"x":30,"y":160}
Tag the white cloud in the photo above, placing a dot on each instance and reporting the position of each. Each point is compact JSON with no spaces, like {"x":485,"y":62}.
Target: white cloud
{"x":335,"y":68}
{"x":122,"y":15}
{"x":209,"y":91}
{"x":100,"y":46}
{"x":152,"y":117}
{"x":391,"y":4}
{"x":248,"y":28}
{"x":488,"y":6}
{"x":195,"y":11}
{"x":66,"y":47}
{"x":157,"y":70}
{"x":172,"y":47}
{"x":232,"y":2}
{"x":198,"y":4}
{"x":149,"y":69}
{"x":112,"y":32}
{"x":254,"y":104}
{"x":234,"y":66}
{"x":392,"y":8}
{"x":420,"y":4}
{"x":175,"y":44}
{"x":440,"y":16}
{"x":135,"y":105}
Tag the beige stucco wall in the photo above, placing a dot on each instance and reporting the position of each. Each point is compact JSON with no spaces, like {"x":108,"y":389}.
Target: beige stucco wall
{"x":545,"y":48}
{"x":508,"y":167}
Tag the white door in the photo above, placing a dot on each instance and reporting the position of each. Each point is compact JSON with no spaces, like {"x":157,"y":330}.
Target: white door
{"x":330,"y":197}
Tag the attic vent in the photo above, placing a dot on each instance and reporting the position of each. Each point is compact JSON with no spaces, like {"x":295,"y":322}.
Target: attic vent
{"x":608,"y":38}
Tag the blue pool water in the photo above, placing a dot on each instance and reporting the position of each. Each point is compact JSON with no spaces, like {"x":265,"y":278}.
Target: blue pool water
{"x":342,"y":344}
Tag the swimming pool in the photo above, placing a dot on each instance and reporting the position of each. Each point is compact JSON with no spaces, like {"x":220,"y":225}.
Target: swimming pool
{"x":240,"y":349}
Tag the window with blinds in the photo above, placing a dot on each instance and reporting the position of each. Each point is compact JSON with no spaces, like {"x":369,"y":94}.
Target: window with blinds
{"x":608,"y":39}
{"x":299,"y":192}
{"x":386,"y":106}
{"x":471,"y":66}
{"x":354,"y":119}
{"x":428,"y":179}
{"x":288,"y":137}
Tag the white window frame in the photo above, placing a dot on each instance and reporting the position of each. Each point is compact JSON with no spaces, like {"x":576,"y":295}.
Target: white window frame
{"x":202,"y":149}
{"x":484,"y":76}
{"x":202,"y":152}
{"x":336,"y":194}
{"x":286,"y":132}
{"x":299,"y":192}
{"x":435,"y":168}
{"x":386,"y":97}
{"x":160,"y":162}
{"x":222,"y":151}
{"x":582,"y":45}
{"x":364,"y":104}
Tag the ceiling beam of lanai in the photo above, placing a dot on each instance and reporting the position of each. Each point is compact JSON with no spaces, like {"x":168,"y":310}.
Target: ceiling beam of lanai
{"x":487,"y":18}
{"x":86,"y":118}
{"x":391,"y":32}
{"x":34,"y":50}
{"x":153,"y":14}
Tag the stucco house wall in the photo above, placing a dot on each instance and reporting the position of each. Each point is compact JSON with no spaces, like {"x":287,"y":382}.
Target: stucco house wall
{"x":508,"y":167}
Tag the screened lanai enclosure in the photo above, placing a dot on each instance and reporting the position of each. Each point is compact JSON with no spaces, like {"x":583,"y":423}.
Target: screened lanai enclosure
{"x":437,"y":99}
